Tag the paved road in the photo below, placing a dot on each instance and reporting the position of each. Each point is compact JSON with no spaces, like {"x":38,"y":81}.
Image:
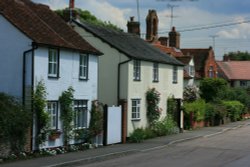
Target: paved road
{"x":230,"y":149}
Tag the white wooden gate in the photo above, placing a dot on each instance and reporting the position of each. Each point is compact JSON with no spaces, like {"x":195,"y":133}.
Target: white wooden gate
{"x":113,"y":129}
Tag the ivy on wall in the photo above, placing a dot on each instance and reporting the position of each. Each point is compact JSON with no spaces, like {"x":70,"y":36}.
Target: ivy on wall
{"x":66,"y":102}
{"x":153,"y":110}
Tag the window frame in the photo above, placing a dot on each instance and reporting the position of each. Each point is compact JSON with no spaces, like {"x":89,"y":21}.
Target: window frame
{"x":175,"y":74}
{"x":80,"y":119}
{"x":243,"y":83}
{"x":53,"y":114}
{"x":83,"y":66}
{"x":135,"y":115}
{"x":155,"y":72}
{"x":211,"y":72}
{"x":191,"y":71}
{"x":53,"y":66}
{"x":137,"y":70}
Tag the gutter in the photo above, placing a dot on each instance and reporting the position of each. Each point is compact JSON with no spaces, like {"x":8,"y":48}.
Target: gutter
{"x":118,"y":78}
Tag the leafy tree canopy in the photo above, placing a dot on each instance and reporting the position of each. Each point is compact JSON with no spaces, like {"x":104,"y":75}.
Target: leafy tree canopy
{"x":85,"y":15}
{"x":240,"y":56}
{"x":210,"y":88}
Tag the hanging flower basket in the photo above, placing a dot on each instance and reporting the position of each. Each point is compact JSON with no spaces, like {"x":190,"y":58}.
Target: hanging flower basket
{"x":54,"y":134}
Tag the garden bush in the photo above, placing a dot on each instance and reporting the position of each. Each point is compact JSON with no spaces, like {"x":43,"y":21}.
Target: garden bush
{"x":137,"y":136}
{"x":166,"y":126}
{"x":14,"y":122}
{"x":235,"y":109}
{"x":197,"y":108}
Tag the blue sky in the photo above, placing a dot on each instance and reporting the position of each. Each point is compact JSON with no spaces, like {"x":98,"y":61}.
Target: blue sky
{"x":188,"y":14}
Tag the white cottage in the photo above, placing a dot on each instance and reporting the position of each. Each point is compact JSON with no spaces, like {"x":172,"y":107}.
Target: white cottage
{"x":38,"y":45}
{"x":128,"y":68}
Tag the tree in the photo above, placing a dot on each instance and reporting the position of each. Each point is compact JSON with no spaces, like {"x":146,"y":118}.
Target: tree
{"x":241,"y":56}
{"x":211,"y":88}
{"x":85,"y":15}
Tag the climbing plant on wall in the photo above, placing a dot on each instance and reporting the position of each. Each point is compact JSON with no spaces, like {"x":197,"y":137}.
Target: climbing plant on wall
{"x":42,"y":117}
{"x":153,"y":110}
{"x":66,"y":102}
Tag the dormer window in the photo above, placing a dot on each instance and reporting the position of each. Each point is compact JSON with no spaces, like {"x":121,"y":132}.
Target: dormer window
{"x":191,"y":71}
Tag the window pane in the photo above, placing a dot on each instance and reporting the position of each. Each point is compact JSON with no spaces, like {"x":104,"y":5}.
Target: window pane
{"x":52,"y":111}
{"x":80,"y":108}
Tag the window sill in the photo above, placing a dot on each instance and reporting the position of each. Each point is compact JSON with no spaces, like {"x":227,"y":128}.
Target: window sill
{"x":156,"y":81}
{"x":136,"y":119}
{"x":53,"y":77}
{"x":137,"y":80}
{"x":82,"y":79}
{"x":175,"y":82}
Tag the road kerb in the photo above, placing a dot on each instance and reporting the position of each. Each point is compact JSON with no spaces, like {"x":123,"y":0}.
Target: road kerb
{"x":93,"y":159}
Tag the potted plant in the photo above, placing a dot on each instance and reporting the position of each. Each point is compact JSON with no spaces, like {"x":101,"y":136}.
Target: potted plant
{"x":54,"y":134}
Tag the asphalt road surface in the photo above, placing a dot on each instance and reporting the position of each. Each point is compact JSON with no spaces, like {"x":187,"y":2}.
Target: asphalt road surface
{"x":230,"y":149}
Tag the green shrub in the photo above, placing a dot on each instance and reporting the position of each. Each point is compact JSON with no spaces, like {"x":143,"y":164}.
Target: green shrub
{"x":137,"y":136}
{"x":214,"y":113}
{"x":198,"y":109}
{"x":210,"y":88}
{"x":235,"y":109}
{"x":14,"y":122}
{"x":165,"y":126}
{"x":149,"y":133}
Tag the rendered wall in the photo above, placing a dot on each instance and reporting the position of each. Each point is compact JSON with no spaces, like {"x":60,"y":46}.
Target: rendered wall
{"x":13,"y":44}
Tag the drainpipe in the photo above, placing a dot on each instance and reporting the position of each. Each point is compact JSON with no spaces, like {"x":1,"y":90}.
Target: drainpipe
{"x":118,"y":78}
{"x":34,"y":47}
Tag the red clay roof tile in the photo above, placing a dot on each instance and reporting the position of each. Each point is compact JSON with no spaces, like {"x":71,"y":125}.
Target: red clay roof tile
{"x":235,"y":70}
{"x":43,"y":26}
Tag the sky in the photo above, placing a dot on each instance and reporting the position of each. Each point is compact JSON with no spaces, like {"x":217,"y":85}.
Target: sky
{"x":187,"y":15}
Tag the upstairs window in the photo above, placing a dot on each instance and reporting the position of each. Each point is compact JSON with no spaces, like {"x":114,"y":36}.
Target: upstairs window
{"x":52,"y":109}
{"x":81,"y":112}
{"x":211,"y":72}
{"x":83,"y":66}
{"x":53,"y":63}
{"x":175,"y":74}
{"x":155,"y":72}
{"x":137,"y":70}
{"x":191,"y":71}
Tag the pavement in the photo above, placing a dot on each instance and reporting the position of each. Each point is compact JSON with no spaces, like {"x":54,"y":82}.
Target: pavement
{"x":118,"y":150}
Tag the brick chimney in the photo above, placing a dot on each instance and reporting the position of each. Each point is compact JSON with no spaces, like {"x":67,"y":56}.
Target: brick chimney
{"x":72,"y":4}
{"x":226,"y":58}
{"x":133,"y":26}
{"x":70,"y":13}
{"x":174,"y":38}
{"x":152,"y":26}
{"x":163,"y":41}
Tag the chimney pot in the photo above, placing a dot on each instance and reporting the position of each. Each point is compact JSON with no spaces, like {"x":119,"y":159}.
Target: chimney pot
{"x":132,"y":18}
{"x":173,"y":29}
{"x":72,"y":4}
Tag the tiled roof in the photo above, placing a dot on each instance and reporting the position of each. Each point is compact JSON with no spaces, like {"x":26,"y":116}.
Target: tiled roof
{"x":170,"y":50}
{"x":235,"y":70}
{"x":184,"y":59}
{"x":129,"y":44}
{"x":43,"y":26}
{"x":200,"y":56}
